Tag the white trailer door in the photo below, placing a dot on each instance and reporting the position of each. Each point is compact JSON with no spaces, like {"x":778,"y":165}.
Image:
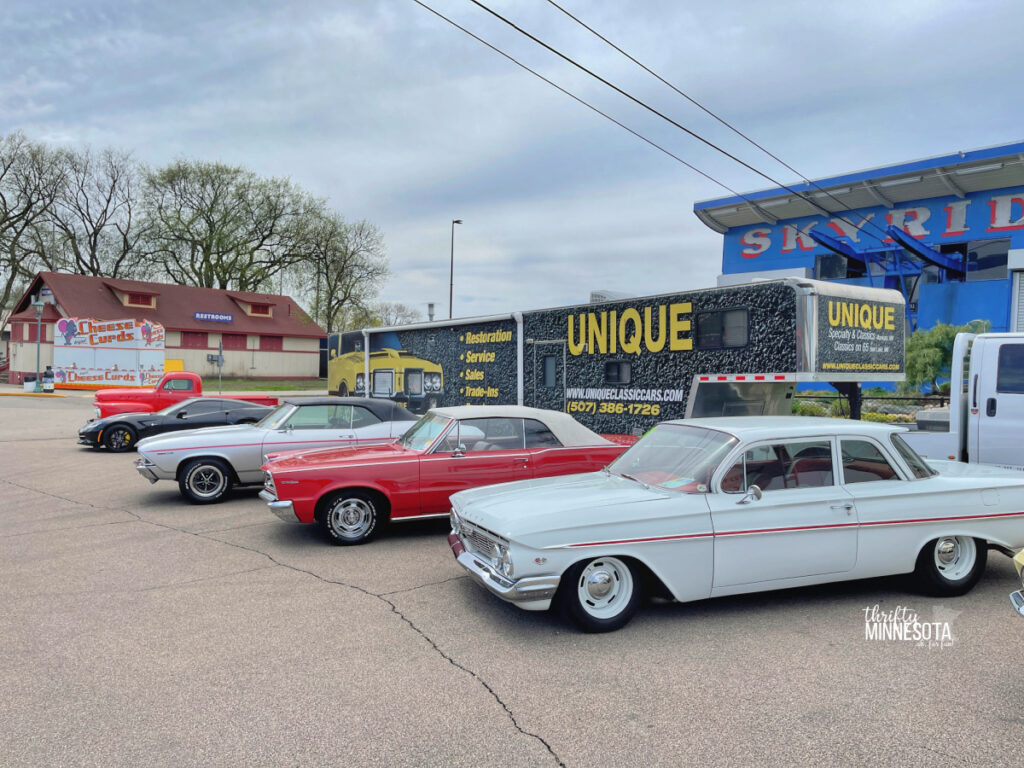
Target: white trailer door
{"x":997,"y":403}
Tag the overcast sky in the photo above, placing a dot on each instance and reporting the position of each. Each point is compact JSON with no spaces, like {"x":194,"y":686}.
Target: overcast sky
{"x":399,"y":118}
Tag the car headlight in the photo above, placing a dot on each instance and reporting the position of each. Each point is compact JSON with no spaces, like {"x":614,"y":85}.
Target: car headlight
{"x":97,"y":411}
{"x":456,"y":523}
{"x":504,"y":564}
{"x":360,"y":378}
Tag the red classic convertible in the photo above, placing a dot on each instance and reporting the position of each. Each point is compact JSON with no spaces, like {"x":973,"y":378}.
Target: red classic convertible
{"x":352,"y":492}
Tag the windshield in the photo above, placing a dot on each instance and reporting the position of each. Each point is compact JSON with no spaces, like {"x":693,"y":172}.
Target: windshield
{"x":170,"y":410}
{"x":917,"y":465}
{"x":276,"y":417}
{"x":675,"y":457}
{"x":424,"y":432}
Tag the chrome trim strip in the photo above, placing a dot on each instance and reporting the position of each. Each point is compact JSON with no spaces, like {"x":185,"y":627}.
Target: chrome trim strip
{"x":412,"y":518}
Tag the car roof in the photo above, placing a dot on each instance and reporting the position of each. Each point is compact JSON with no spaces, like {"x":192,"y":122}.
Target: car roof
{"x":385,"y":410}
{"x":762,"y":427}
{"x":568,"y":431}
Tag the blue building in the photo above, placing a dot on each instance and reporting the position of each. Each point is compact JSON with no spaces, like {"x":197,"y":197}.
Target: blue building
{"x":946,"y":231}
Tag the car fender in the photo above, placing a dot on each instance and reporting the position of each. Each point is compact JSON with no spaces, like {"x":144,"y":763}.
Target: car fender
{"x":184,"y":460}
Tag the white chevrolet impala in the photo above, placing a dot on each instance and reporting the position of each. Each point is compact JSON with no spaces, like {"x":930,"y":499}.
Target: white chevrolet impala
{"x":709,"y":507}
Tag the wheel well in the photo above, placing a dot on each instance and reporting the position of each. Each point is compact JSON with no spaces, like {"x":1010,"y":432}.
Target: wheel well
{"x":652,"y":583}
{"x":185,"y":462}
{"x":382,"y":500}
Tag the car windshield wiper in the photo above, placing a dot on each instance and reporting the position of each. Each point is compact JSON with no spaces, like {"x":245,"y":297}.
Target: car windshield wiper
{"x":635,"y":480}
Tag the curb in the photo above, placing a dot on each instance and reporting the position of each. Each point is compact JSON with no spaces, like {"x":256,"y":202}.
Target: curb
{"x":30,"y":394}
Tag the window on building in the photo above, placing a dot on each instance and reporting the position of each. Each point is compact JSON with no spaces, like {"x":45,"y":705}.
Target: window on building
{"x":259,"y":309}
{"x":141,"y":300}
{"x":980,"y":259}
{"x":233,"y":340}
{"x":271,"y":343}
{"x":194,"y":339}
{"x":548,"y":364}
{"x":725,"y":329}
{"x":618,"y":372}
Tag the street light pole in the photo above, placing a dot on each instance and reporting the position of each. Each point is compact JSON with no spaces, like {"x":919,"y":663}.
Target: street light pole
{"x":451,"y":273}
{"x":38,"y":304}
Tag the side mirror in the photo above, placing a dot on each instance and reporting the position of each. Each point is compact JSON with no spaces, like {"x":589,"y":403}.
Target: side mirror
{"x":181,"y":414}
{"x":753,"y":493}
{"x":460,"y":450}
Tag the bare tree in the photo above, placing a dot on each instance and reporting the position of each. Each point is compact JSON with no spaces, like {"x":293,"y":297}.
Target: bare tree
{"x":30,"y":179}
{"x":342,"y":270}
{"x":93,"y":228}
{"x":218,"y":226}
{"x":390,"y":313}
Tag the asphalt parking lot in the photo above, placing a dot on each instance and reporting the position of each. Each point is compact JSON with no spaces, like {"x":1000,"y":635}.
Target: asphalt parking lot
{"x":139,"y":630}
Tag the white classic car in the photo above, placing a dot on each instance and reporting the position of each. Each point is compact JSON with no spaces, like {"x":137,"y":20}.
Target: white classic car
{"x":208,"y":462}
{"x":709,"y":507}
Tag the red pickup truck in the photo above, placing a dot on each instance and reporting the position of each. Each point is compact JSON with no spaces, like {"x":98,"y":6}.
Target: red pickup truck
{"x":173,"y":388}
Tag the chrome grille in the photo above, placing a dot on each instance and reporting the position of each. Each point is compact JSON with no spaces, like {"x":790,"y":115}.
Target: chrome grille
{"x":480,"y":541}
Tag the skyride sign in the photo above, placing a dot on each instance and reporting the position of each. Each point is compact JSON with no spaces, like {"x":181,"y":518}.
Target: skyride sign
{"x":91,"y":353}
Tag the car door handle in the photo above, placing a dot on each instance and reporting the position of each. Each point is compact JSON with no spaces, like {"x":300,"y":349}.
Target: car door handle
{"x":990,"y":407}
{"x":847,"y":506}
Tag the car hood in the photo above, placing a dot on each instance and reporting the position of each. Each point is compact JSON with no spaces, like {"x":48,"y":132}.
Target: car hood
{"x":189,"y":437}
{"x":515,"y":510}
{"x":94,"y":424}
{"x":335,"y":457}
{"x":127,"y":393}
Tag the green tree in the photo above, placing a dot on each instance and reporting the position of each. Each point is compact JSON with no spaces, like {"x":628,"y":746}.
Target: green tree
{"x":220,"y":226}
{"x":930,"y":354}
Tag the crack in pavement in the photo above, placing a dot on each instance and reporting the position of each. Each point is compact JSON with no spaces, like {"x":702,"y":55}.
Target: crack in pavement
{"x":383,"y":597}
{"x":421,"y":586}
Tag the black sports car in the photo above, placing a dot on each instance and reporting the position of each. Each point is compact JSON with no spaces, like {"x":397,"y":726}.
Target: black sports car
{"x":121,"y":432}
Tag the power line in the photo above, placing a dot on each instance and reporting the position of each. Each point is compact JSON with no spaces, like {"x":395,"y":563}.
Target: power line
{"x":707,"y":111}
{"x":654,"y":111}
{"x":576,"y":98}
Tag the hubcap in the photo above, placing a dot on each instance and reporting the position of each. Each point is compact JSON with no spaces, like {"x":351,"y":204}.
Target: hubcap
{"x":120,"y":438}
{"x":946,"y":551}
{"x":955,"y":557}
{"x":351,"y":519}
{"x":599,"y":584}
{"x":206,"y":481}
{"x":605,"y":587}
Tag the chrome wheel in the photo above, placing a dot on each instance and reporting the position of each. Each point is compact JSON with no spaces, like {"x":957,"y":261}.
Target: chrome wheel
{"x":604,"y":587}
{"x":206,"y":482}
{"x":351,"y":519}
{"x":955,"y":557}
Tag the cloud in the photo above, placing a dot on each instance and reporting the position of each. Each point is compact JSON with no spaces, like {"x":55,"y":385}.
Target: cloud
{"x":398,"y":118}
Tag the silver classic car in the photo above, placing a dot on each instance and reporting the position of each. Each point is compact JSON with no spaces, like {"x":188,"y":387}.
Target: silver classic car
{"x":710,"y":507}
{"x":207,"y":463}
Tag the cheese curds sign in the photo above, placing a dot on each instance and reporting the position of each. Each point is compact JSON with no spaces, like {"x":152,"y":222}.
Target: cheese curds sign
{"x":110,"y":353}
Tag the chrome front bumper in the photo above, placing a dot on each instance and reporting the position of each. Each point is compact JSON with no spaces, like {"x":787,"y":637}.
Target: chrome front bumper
{"x":283,"y":509}
{"x":145,"y":468}
{"x":1017,"y":598}
{"x":536,"y":589}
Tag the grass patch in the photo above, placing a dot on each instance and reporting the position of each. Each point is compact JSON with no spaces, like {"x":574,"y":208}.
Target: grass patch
{"x":262,"y":385}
